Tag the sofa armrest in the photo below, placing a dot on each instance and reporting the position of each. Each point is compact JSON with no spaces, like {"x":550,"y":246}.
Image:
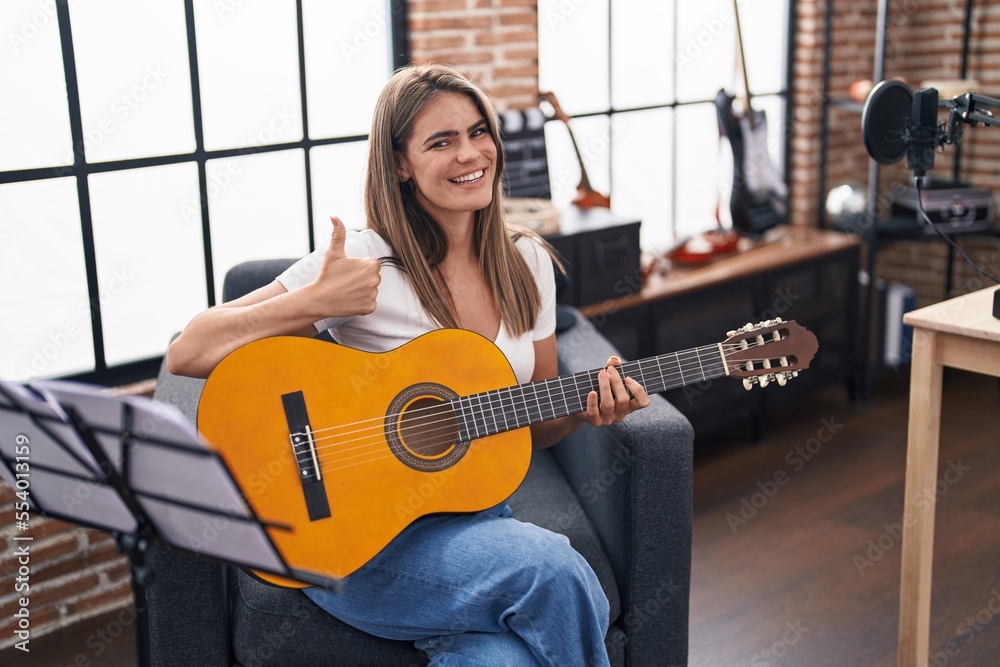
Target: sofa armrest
{"x":634,"y":482}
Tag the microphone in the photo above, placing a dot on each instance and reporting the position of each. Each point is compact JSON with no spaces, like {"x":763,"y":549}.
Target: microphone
{"x":896,"y":122}
{"x":921,"y":134}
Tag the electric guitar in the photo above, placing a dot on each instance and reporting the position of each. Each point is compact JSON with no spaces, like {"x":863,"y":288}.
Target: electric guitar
{"x":759,"y":197}
{"x":338,"y":450}
{"x":586,"y":196}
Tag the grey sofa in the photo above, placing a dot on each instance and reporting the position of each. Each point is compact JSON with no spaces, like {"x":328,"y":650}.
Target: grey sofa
{"x":622,"y":494}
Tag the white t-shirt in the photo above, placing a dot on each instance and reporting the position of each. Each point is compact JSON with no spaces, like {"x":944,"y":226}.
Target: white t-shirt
{"x":398,"y":316}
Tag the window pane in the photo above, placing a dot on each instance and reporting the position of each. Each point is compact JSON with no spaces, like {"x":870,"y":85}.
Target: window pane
{"x":257,"y":205}
{"x":573,"y":53}
{"x":643,"y":171}
{"x":248,"y":68}
{"x":765,"y":32}
{"x":337,"y":178}
{"x":347,"y":50}
{"x":699,"y":177}
{"x":44,"y":298}
{"x":706,"y":49}
{"x":642,"y":53}
{"x":150,"y":257}
{"x":34,"y":132}
{"x":135,"y":82}
{"x":592,"y":136}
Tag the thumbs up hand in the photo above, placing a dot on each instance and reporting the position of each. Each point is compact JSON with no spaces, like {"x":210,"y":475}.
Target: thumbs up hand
{"x":345,"y":286}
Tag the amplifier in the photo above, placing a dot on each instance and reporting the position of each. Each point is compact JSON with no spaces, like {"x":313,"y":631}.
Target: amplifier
{"x":953,"y":208}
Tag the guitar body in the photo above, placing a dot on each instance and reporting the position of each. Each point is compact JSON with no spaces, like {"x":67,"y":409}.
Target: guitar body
{"x":380,"y":467}
{"x":587,"y":197}
{"x":757,"y":201}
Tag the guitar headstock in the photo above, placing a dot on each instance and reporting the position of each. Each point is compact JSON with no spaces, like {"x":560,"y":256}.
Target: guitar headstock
{"x":557,"y":111}
{"x":768,"y":351}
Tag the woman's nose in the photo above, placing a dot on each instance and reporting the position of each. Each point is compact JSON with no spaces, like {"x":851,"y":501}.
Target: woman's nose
{"x":467,"y":151}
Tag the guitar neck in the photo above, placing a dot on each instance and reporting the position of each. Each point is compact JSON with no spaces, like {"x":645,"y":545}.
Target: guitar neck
{"x":584,"y":180}
{"x":500,"y":410}
{"x":748,"y":110}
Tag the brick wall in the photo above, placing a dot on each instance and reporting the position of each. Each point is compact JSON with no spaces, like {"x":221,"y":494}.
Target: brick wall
{"x":494,"y":41}
{"x":73,"y":573}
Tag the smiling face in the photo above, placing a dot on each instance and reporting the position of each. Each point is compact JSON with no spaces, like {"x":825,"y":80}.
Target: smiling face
{"x":451,"y":158}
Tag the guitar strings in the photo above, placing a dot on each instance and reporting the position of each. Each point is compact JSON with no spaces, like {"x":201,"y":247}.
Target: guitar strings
{"x":550,"y":394}
{"x":449,"y":420}
{"x":692,"y":364}
{"x":374,"y":441}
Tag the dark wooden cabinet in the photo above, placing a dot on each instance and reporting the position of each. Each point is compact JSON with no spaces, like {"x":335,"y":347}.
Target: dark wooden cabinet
{"x":601,"y":253}
{"x":808,"y":276}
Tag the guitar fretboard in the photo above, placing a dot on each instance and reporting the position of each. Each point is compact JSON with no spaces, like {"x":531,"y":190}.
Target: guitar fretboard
{"x":499,"y":410}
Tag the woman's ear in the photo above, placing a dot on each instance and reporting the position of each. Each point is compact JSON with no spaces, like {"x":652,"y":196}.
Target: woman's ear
{"x":403,"y":168}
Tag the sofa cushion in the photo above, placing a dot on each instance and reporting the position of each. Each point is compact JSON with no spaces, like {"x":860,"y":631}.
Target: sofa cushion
{"x":281,"y":626}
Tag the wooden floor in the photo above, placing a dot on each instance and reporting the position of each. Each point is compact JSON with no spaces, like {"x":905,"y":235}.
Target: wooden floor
{"x":796,"y":540}
{"x":796,"y":547}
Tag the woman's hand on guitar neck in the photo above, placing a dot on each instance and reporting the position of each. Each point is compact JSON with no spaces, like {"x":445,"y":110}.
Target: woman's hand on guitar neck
{"x":346,"y":286}
{"x":615,"y":398}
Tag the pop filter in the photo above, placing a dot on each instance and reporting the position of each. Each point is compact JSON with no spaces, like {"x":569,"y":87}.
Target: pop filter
{"x":884,"y":120}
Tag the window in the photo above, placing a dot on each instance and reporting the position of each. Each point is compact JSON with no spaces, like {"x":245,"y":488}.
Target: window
{"x":156,"y":145}
{"x":640,"y":79}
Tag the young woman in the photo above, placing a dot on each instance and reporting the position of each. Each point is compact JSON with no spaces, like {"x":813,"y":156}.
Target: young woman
{"x":469,"y":589}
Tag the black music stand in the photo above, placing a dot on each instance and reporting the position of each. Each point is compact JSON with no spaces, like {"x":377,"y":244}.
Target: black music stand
{"x":136,"y":468}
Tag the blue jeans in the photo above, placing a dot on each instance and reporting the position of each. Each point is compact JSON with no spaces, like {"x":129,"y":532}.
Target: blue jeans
{"x":479,"y":589}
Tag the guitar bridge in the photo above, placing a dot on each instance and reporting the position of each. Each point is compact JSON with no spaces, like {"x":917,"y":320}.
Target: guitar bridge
{"x":306,"y":458}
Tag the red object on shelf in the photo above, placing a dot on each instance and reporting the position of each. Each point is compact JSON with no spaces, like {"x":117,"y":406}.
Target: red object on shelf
{"x":705,"y":247}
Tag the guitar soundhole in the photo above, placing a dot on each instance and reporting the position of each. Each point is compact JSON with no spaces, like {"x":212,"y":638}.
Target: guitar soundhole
{"x":422,"y":428}
{"x":429,"y":428}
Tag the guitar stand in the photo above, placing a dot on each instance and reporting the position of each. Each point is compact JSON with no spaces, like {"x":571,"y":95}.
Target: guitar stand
{"x":140,"y":471}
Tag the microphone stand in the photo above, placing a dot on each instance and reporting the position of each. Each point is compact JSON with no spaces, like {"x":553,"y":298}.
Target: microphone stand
{"x":963,"y":109}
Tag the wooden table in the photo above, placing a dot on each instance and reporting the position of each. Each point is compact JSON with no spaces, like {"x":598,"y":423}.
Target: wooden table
{"x":959,"y":333}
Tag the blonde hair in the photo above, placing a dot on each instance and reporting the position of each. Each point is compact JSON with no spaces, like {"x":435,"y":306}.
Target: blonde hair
{"x":415,"y":237}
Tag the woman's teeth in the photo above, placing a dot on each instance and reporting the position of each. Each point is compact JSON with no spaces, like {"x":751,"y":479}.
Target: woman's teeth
{"x":469,"y":178}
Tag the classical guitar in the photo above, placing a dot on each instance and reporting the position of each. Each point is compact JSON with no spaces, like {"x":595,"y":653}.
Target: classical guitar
{"x":586,"y":196}
{"x":338,"y":450}
{"x":759,"y":197}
